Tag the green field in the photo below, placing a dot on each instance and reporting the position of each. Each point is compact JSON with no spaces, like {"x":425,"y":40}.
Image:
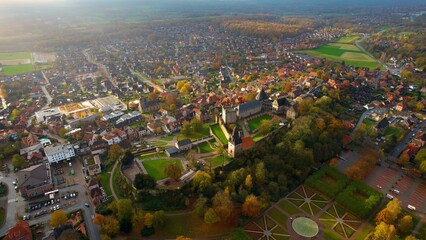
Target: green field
{"x":17,"y":69}
{"x":218,"y":161}
{"x":156,"y":167}
{"x":255,"y":122}
{"x":344,"y":50}
{"x":348,"y":39}
{"x":205,"y":147}
{"x":217,"y":131}
{"x":104,"y":178}
{"x":15,"y":55}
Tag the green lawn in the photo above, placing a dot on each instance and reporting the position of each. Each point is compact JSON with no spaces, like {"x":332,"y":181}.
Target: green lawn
{"x":167,"y":138}
{"x":363,"y":232}
{"x":217,"y":131}
{"x":191,"y":225}
{"x":15,"y":55}
{"x":196,"y":135}
{"x":117,"y":188}
{"x":258,"y":137}
{"x":330,"y":235}
{"x":278,"y":216}
{"x":218,"y":161}
{"x":104,"y":178}
{"x":255,"y":122}
{"x":159,"y":143}
{"x":156,"y":167}
{"x":289,"y":207}
{"x":344,"y":50}
{"x":205,"y":148}
{"x":17,"y":69}
{"x":2,"y":216}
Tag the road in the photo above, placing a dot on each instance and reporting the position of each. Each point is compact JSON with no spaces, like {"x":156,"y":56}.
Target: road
{"x":364,"y":116}
{"x":403,"y":144}
{"x":147,"y":81}
{"x":12,"y":197}
{"x":395,"y":71}
{"x":111,"y":185}
{"x":100,"y":65}
{"x":56,"y":137}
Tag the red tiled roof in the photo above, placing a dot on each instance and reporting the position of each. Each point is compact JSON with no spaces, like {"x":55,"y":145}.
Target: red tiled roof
{"x":20,"y":231}
{"x":247,"y":142}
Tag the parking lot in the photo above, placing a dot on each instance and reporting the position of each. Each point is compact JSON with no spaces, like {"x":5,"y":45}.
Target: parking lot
{"x":393,"y":181}
{"x":67,"y":173}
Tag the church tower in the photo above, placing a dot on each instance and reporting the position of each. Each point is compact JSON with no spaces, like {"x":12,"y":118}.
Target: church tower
{"x":235,"y":143}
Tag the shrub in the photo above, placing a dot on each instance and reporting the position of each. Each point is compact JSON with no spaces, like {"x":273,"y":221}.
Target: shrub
{"x":331,"y":189}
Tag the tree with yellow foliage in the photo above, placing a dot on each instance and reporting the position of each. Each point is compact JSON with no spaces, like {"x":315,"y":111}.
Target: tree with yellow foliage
{"x":251,"y":206}
{"x":58,"y":218}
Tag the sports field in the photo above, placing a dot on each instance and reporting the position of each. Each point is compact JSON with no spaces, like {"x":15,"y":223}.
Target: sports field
{"x":343,"y":49}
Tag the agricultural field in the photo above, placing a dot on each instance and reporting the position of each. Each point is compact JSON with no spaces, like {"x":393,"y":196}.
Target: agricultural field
{"x":16,"y":63}
{"x":156,"y":167}
{"x":344,"y":50}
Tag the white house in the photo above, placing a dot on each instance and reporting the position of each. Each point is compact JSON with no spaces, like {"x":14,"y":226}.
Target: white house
{"x":111,"y":138}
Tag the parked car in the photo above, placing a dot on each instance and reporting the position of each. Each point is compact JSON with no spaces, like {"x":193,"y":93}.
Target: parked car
{"x":389,"y":196}
{"x":411,"y":207}
{"x":396,"y":191}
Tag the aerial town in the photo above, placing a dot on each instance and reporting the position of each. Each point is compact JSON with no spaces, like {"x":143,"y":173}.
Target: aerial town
{"x":239,"y":127}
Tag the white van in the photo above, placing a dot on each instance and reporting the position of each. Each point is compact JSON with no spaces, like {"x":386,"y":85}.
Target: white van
{"x":411,"y":207}
{"x":389,"y":196}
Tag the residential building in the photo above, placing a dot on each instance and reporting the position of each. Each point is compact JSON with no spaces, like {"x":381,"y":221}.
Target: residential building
{"x":58,"y":153}
{"x":148,"y":106}
{"x":93,"y":166}
{"x":35,"y":180}
{"x":184,"y":144}
{"x":111,"y":138}
{"x":21,"y":231}
{"x":45,"y":115}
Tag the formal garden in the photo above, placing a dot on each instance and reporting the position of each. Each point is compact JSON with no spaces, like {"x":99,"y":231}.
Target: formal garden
{"x":329,"y":206}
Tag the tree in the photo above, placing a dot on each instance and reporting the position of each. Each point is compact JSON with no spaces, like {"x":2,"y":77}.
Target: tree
{"x":201,"y":181}
{"x":69,"y":234}
{"x":58,"y":218}
{"x":128,"y":158}
{"x":183,"y":238}
{"x":148,"y":220}
{"x":197,"y":125}
{"x":115,"y":152}
{"x":420,"y":156}
{"x":159,"y":218}
{"x":394,"y":208}
{"x":264,"y":126}
{"x":186,"y":128}
{"x":222,"y":205}
{"x":411,"y":237}
{"x":125,"y":214}
{"x":248,"y":182}
{"x":405,"y":224}
{"x":404,"y":159}
{"x":173,"y":171}
{"x":210,"y":217}
{"x":382,"y":231}
{"x":251,"y":206}
{"x":137,"y":217}
{"x":110,"y":226}
{"x":260,"y":173}
{"x":383,"y":216}
{"x":62,"y":132}
{"x":144,"y":181}
{"x":15,"y":113}
{"x":201,"y":206}
{"x":240,"y":234}
{"x":19,"y":162}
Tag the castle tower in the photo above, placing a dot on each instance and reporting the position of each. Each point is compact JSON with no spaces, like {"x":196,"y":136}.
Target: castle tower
{"x":235,"y":143}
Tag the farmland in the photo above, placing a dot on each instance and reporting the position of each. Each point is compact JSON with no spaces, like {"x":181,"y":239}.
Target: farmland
{"x":343,"y":49}
{"x":15,"y":63}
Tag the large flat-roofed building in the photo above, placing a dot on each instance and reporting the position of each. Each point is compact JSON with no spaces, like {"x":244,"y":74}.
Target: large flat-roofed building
{"x":57,"y":153}
{"x":35,"y":180}
{"x":108,"y":104}
{"x":44,"y":115}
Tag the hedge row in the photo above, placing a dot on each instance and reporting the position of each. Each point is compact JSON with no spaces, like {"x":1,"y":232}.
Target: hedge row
{"x":360,"y":208}
{"x":317,"y":181}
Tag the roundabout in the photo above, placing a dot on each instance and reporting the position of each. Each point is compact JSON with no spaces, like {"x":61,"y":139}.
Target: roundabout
{"x":305,"y":227}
